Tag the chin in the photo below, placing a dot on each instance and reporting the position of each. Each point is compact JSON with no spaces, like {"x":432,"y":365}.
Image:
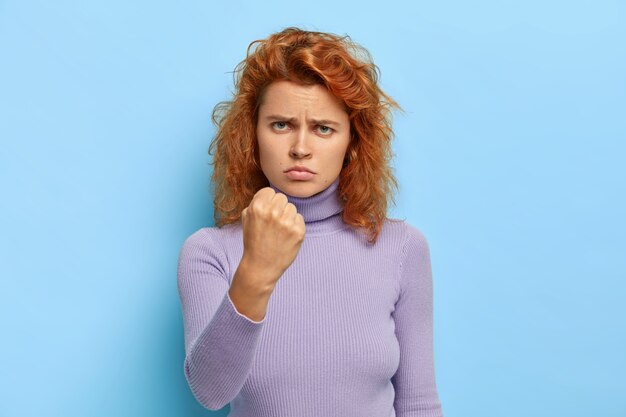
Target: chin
{"x":300,"y":189}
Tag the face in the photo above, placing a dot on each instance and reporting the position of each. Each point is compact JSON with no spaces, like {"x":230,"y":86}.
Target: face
{"x":301,"y":125}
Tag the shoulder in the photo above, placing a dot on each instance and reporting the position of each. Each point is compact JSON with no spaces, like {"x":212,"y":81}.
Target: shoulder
{"x":203,"y":252}
{"x":201,"y":237}
{"x":209,"y":236}
{"x":204,"y":243}
{"x":409,"y":236}
{"x":415,"y":271}
{"x":411,"y":245}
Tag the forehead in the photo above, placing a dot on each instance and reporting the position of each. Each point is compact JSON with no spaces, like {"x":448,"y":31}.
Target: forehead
{"x":284,"y":95}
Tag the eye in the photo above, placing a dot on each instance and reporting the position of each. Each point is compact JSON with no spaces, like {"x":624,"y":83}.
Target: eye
{"x":279,"y":125}
{"x":325,"y":130}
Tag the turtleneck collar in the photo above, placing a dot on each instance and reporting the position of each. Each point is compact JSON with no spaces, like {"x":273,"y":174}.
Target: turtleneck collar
{"x":321,"y":211}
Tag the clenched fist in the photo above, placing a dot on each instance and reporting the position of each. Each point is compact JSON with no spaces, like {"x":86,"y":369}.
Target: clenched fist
{"x":273,"y":232}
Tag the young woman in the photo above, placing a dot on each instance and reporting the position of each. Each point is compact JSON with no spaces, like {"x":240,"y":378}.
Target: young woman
{"x":306,"y":300}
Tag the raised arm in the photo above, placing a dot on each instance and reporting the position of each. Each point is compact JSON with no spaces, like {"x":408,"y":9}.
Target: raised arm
{"x":220,"y":342}
{"x":414,"y":382}
{"x":223,"y":322}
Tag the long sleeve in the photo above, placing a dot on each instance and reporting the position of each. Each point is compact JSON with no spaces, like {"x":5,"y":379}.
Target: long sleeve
{"x":414,"y":381}
{"x":220,"y":343}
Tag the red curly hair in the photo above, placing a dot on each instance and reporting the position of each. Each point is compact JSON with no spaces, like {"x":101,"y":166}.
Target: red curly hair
{"x":346,"y":69}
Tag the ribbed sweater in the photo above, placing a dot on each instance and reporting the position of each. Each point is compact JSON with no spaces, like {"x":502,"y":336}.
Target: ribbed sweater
{"x":348,"y":329}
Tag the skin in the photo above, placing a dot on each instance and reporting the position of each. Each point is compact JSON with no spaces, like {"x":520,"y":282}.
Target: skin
{"x":312,"y":129}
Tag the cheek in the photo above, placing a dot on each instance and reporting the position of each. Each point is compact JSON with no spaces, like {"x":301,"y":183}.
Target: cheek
{"x":334,"y":157}
{"x":341,"y":151}
{"x":262,"y":142}
{"x":267,"y":151}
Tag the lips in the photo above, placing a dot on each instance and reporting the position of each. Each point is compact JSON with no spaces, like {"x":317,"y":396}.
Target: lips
{"x":300,"y":168}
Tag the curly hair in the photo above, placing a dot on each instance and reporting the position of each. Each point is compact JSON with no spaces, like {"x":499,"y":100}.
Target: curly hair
{"x":346,"y":69}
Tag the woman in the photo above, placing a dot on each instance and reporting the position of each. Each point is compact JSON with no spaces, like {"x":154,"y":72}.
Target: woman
{"x":306,"y":300}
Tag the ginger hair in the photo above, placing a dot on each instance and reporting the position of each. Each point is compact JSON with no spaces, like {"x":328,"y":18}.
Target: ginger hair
{"x":346,"y":69}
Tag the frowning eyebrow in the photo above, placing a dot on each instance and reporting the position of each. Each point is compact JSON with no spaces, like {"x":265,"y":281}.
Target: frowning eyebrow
{"x":276,"y":117}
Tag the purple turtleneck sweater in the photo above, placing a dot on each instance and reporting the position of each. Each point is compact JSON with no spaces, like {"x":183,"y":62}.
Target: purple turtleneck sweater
{"x":348,"y":330}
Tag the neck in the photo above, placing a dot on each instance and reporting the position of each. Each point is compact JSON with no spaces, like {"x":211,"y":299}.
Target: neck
{"x":321,"y":211}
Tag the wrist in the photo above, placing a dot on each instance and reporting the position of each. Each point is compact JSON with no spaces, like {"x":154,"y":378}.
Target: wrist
{"x":254,"y":279}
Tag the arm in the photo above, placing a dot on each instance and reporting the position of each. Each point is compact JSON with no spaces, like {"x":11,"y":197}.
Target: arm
{"x":220,"y":342}
{"x":414,"y":382}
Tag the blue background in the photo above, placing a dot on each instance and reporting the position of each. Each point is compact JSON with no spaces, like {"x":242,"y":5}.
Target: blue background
{"x":510,"y":159}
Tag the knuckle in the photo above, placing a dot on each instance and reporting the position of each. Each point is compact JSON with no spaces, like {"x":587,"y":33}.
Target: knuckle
{"x":276,"y":213}
{"x":264,"y":193}
{"x":285,"y":223}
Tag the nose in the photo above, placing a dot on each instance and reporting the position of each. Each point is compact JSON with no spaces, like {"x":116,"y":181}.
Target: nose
{"x":300,"y":147}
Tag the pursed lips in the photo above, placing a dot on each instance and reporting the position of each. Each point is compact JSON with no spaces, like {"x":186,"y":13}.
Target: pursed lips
{"x":299,"y":168}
